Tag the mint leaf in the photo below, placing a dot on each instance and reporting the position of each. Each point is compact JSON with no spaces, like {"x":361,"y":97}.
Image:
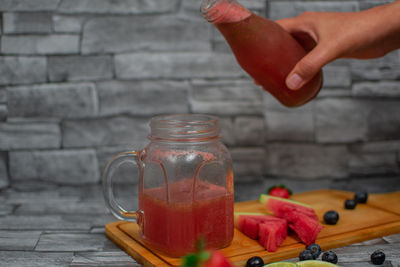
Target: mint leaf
{"x":189,"y":260}
{"x":203,"y":256}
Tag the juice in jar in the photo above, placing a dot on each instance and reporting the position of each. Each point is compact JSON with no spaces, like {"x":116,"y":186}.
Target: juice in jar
{"x":262,"y":48}
{"x":174,"y":225}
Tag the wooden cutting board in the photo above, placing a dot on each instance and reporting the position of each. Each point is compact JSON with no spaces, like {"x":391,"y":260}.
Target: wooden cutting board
{"x":379,"y":217}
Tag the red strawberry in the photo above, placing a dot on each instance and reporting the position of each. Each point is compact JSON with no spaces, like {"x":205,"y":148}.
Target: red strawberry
{"x":218,"y":259}
{"x":279,"y":191}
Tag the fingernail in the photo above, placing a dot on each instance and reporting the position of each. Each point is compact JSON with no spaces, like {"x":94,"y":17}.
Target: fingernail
{"x":294,"y":81}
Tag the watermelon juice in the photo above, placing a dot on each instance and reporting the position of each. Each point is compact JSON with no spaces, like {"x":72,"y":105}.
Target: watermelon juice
{"x":175,"y":223}
{"x":262,"y":48}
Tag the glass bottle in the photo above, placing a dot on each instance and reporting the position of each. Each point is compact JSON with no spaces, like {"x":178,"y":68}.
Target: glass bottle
{"x":262,"y":48}
{"x":185,"y":185}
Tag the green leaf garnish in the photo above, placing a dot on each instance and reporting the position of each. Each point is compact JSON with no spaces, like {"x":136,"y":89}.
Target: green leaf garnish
{"x":196,"y":259}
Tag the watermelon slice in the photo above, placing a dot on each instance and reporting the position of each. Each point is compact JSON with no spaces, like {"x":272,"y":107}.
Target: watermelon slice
{"x":306,"y":228}
{"x":281,"y":206}
{"x":269,"y":230}
{"x":246,"y":224}
{"x":300,"y":217}
{"x":272,"y":234}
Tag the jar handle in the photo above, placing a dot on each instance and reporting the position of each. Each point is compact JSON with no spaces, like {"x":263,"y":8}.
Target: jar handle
{"x":108,"y":185}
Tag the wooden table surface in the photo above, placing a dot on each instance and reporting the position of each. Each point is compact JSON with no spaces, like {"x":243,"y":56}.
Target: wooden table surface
{"x":51,"y":225}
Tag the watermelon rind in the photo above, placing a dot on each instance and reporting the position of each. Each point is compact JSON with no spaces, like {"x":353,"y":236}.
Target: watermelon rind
{"x":237,"y":213}
{"x":264,"y":198}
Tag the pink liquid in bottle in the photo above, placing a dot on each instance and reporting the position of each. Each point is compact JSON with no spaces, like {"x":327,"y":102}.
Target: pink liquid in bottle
{"x":262,"y":48}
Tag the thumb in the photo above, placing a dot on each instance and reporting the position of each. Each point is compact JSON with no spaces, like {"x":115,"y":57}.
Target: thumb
{"x":308,"y":67}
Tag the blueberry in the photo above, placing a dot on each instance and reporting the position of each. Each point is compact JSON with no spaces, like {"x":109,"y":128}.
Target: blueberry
{"x":255,"y":262}
{"x":315,"y":250}
{"x":350,"y":204}
{"x":306,"y":255}
{"x":331,"y":217}
{"x":378,"y":257}
{"x":330,"y":256}
{"x":361,"y":197}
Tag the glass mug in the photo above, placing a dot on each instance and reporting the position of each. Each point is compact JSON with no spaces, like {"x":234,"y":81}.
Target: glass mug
{"x":185,"y":185}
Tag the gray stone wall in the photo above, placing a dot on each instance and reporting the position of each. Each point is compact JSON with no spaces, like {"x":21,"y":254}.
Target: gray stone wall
{"x":80,"y":79}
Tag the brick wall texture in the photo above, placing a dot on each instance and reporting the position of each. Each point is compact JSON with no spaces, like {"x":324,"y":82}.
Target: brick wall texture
{"x":80,"y":79}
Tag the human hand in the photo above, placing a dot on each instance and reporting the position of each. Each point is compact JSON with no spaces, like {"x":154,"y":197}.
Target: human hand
{"x":331,"y":35}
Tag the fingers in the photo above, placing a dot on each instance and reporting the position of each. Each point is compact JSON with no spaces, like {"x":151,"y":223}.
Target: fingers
{"x":288,"y":24}
{"x":305,"y":40}
{"x":311,"y":64}
{"x":308,"y":67}
{"x":299,"y":25}
{"x":315,"y":32}
{"x":292,"y":25}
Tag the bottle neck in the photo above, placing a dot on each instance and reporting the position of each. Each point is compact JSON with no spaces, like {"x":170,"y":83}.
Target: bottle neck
{"x":184,"y":128}
{"x":223,"y":11}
